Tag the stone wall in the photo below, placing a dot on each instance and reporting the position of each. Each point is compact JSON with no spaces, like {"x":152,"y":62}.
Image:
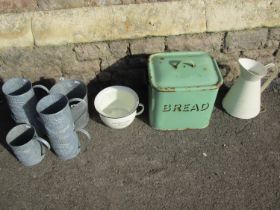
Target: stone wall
{"x":125,"y":62}
{"x":134,"y":21}
{"x":110,"y":44}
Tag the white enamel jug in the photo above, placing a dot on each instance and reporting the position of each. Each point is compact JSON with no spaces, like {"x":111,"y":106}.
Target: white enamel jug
{"x":244,"y":98}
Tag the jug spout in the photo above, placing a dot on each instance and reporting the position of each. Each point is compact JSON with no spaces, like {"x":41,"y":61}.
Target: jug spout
{"x":251,"y":70}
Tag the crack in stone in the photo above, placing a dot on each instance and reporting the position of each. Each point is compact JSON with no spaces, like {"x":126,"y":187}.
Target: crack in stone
{"x":205,"y":15}
{"x":31,"y":29}
{"x":268,"y":35}
{"x":109,"y":47}
{"x":75,"y":52}
{"x":165,"y":44}
{"x":37,"y":4}
{"x":223,"y":46}
{"x":100,"y":64}
{"x":274,"y":54}
{"x":128,"y":51}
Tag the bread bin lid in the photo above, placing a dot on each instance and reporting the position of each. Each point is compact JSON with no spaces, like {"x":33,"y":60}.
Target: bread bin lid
{"x":179,"y":71}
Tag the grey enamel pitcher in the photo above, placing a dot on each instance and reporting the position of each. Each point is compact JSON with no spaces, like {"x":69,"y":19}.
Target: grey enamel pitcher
{"x":74,"y":89}
{"x":55,"y":113}
{"x":22,"y":101}
{"x":29,"y":148}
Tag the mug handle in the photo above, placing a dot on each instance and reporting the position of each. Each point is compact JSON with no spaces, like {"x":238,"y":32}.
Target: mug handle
{"x":271,"y":77}
{"x":83,"y":131}
{"x":141,"y":109}
{"x":42,"y":87}
{"x":77,"y":100}
{"x":73,"y":105}
{"x":44,"y":143}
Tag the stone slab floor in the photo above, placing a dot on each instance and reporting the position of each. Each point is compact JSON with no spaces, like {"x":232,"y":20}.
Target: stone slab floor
{"x":232,"y":164}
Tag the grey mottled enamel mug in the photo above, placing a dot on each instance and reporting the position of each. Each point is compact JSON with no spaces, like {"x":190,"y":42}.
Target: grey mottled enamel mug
{"x":29,"y":148}
{"x":22,"y":101}
{"x":75,"y":89}
{"x":55,"y":113}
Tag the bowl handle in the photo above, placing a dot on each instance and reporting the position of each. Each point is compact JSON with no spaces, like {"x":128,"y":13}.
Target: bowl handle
{"x":141,"y":109}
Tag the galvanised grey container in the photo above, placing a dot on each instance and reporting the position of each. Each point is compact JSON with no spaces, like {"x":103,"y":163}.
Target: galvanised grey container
{"x":26,"y":145}
{"x":56,"y":115}
{"x":22,"y":101}
{"x":74,"y":89}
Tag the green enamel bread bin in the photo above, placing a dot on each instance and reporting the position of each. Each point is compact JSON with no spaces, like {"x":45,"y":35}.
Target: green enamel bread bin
{"x":183,"y":87}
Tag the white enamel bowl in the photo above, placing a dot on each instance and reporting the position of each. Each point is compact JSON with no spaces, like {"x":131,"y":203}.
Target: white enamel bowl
{"x":117,"y":106}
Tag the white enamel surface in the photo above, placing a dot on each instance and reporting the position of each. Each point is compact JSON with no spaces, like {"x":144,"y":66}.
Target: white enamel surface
{"x":251,"y":69}
{"x":118,"y":123}
{"x":116,"y":101}
{"x":117,"y":106}
{"x":244,"y":98}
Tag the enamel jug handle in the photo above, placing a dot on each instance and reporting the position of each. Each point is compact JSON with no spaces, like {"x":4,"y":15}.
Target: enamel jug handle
{"x":271,"y":77}
{"x":73,"y":105}
{"x":83,"y":131}
{"x":45,"y":143}
{"x":42,"y":87}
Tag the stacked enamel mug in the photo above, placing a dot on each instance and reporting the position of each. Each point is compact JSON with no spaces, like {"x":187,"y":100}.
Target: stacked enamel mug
{"x":55,"y":115}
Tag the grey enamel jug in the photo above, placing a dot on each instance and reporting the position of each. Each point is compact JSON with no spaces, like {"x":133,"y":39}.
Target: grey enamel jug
{"x":75,"y":89}
{"x":56,"y":115}
{"x":22,"y":101}
{"x":29,"y":148}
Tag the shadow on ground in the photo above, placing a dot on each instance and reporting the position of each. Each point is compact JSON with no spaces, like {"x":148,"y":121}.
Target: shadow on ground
{"x":130,"y":71}
{"x":232,"y":164}
{"x":221,"y":94}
